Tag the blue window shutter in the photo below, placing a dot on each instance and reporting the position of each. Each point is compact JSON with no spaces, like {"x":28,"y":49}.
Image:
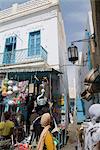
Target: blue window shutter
{"x":9,"y":51}
{"x":34,"y":43}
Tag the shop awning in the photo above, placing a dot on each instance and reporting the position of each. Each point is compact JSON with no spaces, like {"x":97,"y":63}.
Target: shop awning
{"x":28,"y":67}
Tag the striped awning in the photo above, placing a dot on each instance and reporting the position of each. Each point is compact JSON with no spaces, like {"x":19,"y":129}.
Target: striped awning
{"x":28,"y":67}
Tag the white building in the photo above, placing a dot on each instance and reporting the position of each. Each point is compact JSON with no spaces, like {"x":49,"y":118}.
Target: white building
{"x":86,"y":60}
{"x":32,"y":39}
{"x":82,"y":68}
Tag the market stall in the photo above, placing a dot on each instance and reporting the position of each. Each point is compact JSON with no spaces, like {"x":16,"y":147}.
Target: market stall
{"x":13,"y":94}
{"x":19,"y":85}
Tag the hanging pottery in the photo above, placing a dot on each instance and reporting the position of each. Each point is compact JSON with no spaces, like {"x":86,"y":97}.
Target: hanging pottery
{"x":4,"y":88}
{"x":10,"y":82}
{"x":5,"y":82}
{"x":11,"y":102}
{"x":9,"y":92}
{"x":20,"y":84}
{"x":15,"y":89}
{"x":4,"y":93}
{"x":26,"y":91}
{"x":41,"y":101}
{"x":9,"y":88}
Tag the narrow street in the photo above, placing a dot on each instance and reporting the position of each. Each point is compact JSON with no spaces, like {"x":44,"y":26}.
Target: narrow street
{"x":49,"y":74}
{"x":73,"y":139}
{"x":72,"y":143}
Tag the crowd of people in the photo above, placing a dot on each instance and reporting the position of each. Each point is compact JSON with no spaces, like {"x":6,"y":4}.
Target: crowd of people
{"x":12,"y":125}
{"x":15,"y":125}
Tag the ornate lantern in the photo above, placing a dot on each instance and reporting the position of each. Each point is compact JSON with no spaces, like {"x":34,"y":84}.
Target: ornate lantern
{"x":73,"y":53}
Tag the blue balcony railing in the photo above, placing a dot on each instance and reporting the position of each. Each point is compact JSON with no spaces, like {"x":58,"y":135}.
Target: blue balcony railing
{"x":22,"y":56}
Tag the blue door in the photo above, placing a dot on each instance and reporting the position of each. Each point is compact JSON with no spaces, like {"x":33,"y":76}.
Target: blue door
{"x":9,"y":52}
{"x":34,"y":43}
{"x":80,"y":110}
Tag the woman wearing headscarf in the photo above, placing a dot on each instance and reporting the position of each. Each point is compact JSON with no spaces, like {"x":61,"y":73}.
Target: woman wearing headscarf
{"x":46,"y":139}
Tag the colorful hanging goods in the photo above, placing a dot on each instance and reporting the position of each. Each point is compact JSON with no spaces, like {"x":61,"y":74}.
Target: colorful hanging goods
{"x":6,"y":108}
{"x":22,"y":147}
{"x":9,"y":88}
{"x":56,"y":142}
{"x":41,"y":99}
{"x":5,"y":81}
{"x":15,"y":89}
{"x":9,"y":92}
{"x":4,"y":93}
{"x":18,"y":106}
{"x":4,"y":90}
{"x":10,"y":82}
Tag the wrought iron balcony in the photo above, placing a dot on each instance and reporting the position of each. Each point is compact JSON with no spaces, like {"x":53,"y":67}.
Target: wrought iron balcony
{"x":23,"y":56}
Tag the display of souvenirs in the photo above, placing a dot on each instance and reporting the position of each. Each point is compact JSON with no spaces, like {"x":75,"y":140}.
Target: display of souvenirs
{"x":31,"y":88}
{"x":15,"y":89}
{"x":10,"y":82}
{"x":62,"y":101}
{"x":21,"y":146}
{"x":13,"y":92}
{"x":41,"y":99}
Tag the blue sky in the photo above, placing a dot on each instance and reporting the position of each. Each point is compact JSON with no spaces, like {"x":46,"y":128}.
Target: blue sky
{"x":74,"y":15}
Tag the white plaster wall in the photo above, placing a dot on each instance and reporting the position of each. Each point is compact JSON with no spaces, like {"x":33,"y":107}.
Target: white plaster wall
{"x":46,"y":23}
{"x":62,"y":49}
{"x":53,"y":39}
{"x":90,"y":22}
{"x":85,"y":68}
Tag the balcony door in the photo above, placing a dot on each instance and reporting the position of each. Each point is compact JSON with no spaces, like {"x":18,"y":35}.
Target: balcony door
{"x":34,"y":43}
{"x":9,"y":52}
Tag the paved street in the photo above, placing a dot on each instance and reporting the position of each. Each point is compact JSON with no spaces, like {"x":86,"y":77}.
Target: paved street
{"x":46,"y":82}
{"x":73,"y":138}
{"x":72,"y":143}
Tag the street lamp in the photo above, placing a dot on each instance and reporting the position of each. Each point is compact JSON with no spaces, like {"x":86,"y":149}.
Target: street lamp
{"x":73,"y":57}
{"x":73,"y":53}
{"x":73,"y":50}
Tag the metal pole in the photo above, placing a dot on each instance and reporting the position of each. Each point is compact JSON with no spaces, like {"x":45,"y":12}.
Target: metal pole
{"x":12,"y":52}
{"x":7,"y":75}
{"x":31,"y":78}
{"x":50,"y":87}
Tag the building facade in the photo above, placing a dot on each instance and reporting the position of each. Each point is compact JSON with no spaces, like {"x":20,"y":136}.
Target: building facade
{"x":89,"y":73}
{"x":80,"y":112}
{"x":86,"y":60}
{"x":32,"y":42}
{"x":96,"y":23}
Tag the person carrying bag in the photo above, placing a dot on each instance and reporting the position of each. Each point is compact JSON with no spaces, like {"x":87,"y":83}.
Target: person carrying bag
{"x":46,"y":141}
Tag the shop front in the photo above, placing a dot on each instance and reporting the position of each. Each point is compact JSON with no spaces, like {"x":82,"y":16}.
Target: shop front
{"x":21,"y":86}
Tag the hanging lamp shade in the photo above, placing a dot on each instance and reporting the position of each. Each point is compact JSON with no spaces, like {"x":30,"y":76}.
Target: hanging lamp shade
{"x":73,"y":53}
